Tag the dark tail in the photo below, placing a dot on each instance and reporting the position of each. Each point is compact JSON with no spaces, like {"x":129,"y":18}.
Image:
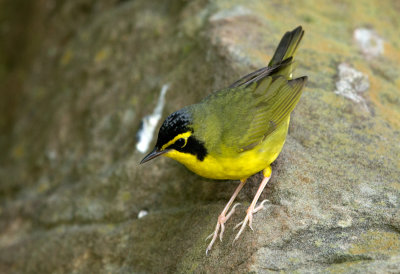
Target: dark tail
{"x":287,"y":46}
{"x":281,"y":64}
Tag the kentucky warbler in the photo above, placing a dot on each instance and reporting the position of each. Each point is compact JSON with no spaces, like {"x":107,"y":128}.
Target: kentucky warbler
{"x":236,"y":132}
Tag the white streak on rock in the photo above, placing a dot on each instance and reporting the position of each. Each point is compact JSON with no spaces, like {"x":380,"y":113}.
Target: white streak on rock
{"x":370,"y":43}
{"x":230,"y":13}
{"x":351,"y":84}
{"x":142,"y":213}
{"x":149,"y":123}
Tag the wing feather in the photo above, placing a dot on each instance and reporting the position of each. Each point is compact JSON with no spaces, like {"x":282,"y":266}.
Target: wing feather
{"x":275,"y":99}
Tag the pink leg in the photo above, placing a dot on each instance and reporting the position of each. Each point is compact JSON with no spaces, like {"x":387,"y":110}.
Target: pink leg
{"x":223,"y":217}
{"x":252,"y":208}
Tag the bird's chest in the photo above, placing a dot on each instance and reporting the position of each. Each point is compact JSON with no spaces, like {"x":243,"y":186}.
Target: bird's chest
{"x":239,"y":166}
{"x":224,"y":163}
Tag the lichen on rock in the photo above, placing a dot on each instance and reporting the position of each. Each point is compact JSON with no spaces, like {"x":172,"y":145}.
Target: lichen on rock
{"x":351,"y":84}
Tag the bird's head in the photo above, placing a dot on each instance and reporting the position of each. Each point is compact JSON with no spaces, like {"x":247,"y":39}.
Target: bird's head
{"x":177,"y":135}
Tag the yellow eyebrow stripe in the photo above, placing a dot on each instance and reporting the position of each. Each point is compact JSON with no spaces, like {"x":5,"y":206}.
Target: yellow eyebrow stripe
{"x":182,"y":135}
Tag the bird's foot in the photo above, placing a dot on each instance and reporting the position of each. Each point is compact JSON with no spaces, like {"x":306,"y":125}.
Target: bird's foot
{"x":249,"y":218}
{"x":220,"y":227}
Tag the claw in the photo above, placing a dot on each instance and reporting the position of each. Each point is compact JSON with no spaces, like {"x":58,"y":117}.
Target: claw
{"x":220,"y":227}
{"x":252,"y":208}
{"x":221,"y":234}
{"x":244,"y":222}
{"x":215,"y":234}
{"x":232,"y":210}
{"x":223,"y":217}
{"x":248,"y":219}
{"x":209,"y":236}
{"x":264,"y":201}
{"x":260,"y":206}
{"x":236,"y":226}
{"x":251,"y":220}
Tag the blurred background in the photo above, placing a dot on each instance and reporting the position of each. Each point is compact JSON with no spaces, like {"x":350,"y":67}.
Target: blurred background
{"x":77,"y":78}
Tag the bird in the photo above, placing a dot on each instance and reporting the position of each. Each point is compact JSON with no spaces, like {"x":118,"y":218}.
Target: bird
{"x":238,"y":131}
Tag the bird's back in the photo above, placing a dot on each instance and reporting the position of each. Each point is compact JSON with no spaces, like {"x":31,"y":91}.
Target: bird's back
{"x":236,"y":119}
{"x":243,"y":115}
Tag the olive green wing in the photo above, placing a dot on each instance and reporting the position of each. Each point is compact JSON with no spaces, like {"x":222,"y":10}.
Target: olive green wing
{"x":273,"y":99}
{"x":237,"y":119}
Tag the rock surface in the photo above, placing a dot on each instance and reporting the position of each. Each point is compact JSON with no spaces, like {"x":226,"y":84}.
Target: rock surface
{"x":77,"y":77}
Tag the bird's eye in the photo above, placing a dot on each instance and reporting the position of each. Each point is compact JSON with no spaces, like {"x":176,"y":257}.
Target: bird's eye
{"x":180,"y":142}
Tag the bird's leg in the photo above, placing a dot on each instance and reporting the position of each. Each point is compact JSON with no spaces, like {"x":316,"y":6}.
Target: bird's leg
{"x":252,"y":208}
{"x":223,"y":217}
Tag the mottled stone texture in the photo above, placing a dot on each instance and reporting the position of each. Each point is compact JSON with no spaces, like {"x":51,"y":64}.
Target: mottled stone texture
{"x":76,"y":78}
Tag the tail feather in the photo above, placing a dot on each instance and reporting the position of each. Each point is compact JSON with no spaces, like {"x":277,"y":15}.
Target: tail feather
{"x":281,"y":64}
{"x":287,"y":48}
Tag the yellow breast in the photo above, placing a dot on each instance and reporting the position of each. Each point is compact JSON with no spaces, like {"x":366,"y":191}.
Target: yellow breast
{"x":239,"y":166}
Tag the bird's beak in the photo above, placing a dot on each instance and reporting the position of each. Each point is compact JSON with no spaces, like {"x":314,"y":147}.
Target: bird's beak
{"x":155,"y":153}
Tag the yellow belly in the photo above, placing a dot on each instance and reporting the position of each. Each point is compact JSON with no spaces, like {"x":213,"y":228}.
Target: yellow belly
{"x":240,"y":166}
